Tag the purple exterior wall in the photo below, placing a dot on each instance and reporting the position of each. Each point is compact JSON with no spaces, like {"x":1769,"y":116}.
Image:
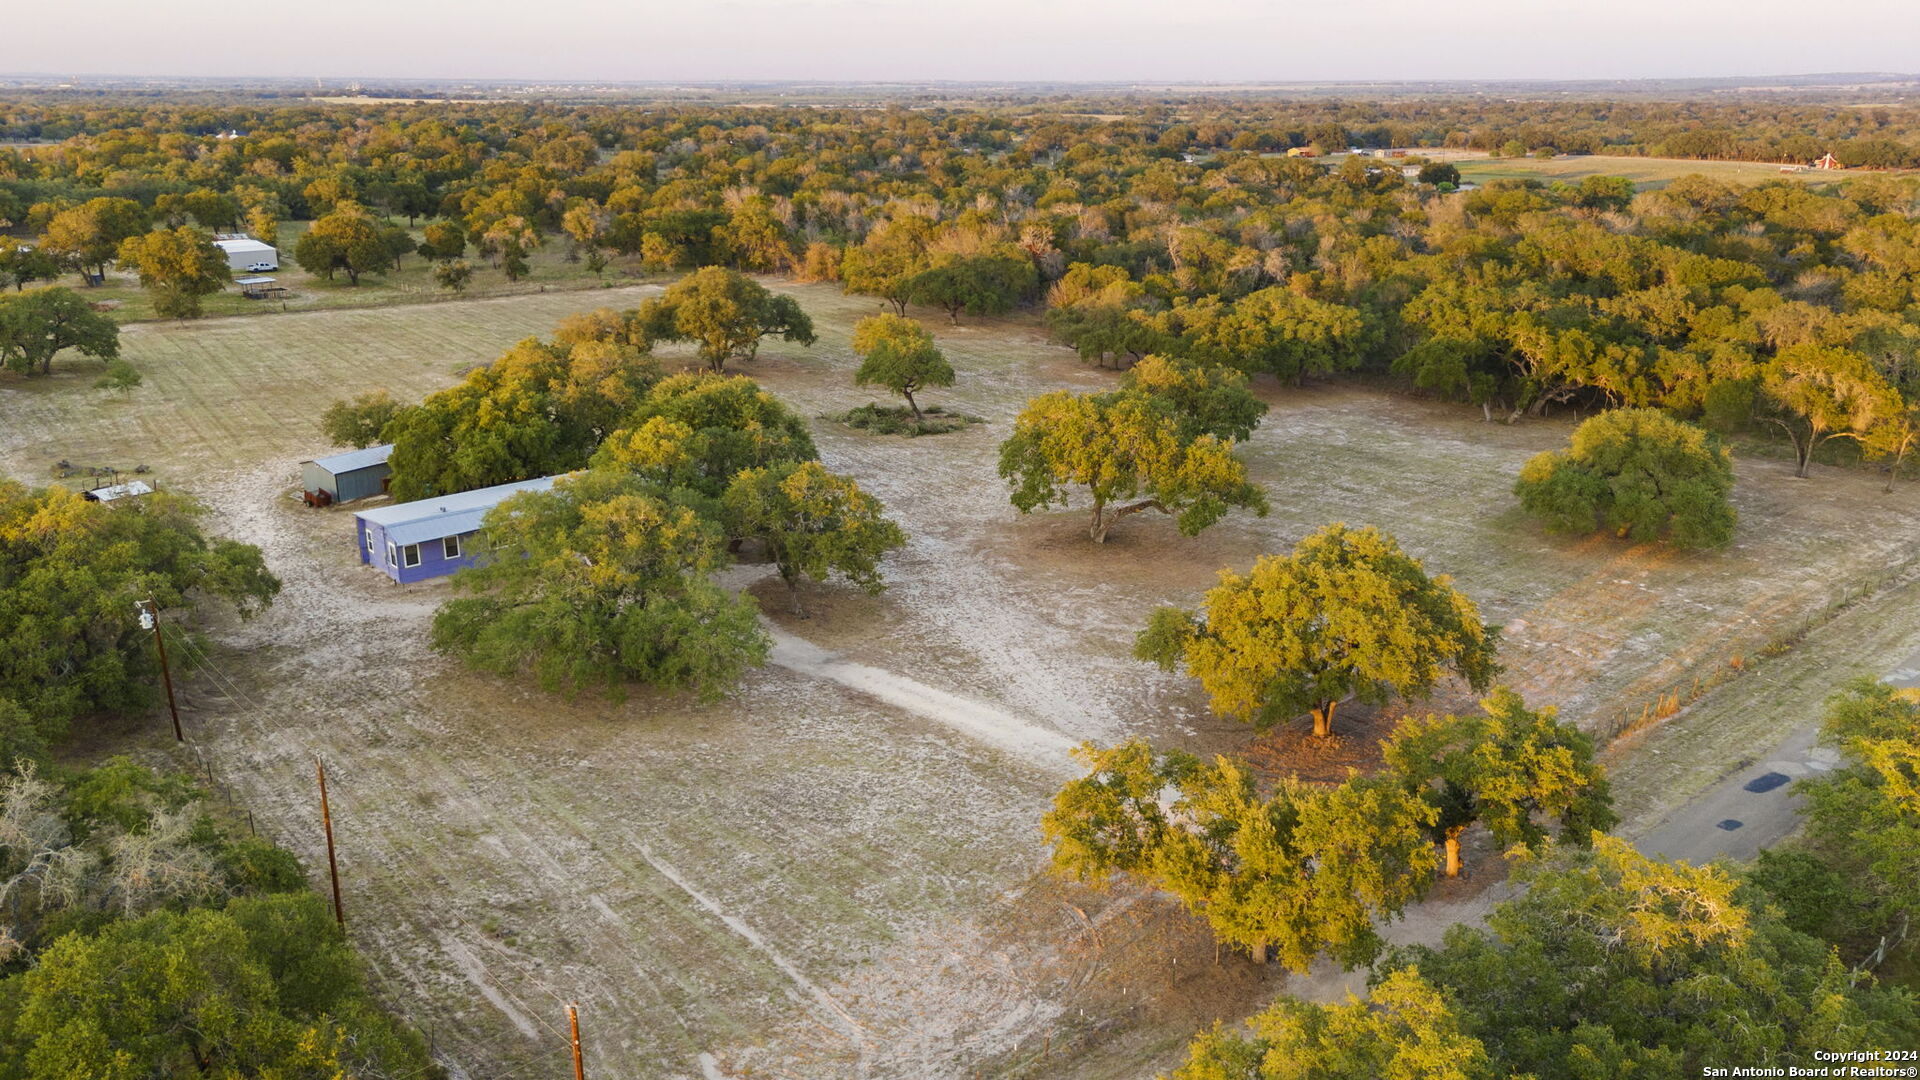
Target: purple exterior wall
{"x":433,"y":560}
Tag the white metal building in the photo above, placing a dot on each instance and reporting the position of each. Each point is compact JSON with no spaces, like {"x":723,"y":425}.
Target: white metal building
{"x":245,"y":253}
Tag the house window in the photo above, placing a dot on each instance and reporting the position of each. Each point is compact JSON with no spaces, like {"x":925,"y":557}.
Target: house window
{"x":391,"y":559}
{"x":450,"y":547}
{"x":369,"y":547}
{"x":410,"y":555}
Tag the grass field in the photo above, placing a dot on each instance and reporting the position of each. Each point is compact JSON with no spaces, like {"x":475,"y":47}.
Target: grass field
{"x":550,"y":270}
{"x":805,"y":880}
{"x":1644,"y":172}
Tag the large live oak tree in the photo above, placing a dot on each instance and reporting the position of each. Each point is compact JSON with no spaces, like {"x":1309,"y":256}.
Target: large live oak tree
{"x":1347,"y":613}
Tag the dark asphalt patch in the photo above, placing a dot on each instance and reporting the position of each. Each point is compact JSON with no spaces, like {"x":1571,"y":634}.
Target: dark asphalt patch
{"x":1767,"y":782}
{"x":1731,"y":824}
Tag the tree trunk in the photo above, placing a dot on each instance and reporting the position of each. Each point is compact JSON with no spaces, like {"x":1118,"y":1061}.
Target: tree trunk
{"x":1098,"y":528}
{"x":1453,"y":851}
{"x":1323,"y":719}
{"x":1486,"y":412}
{"x":918,"y":417}
{"x":1805,"y":453}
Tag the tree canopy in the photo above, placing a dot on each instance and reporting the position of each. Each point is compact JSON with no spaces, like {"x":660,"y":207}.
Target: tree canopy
{"x":1506,"y":768}
{"x":697,"y":431}
{"x":1636,"y":473}
{"x":145,"y":937}
{"x":1346,"y":614}
{"x":1152,"y":442}
{"x":39,"y":325}
{"x":540,"y":409}
{"x":812,"y":522}
{"x":725,"y":314}
{"x":599,"y":581}
{"x":897,"y":353}
{"x":1303,"y":869}
{"x":349,"y":240}
{"x":178,"y":266}
{"x":71,"y":570}
{"x":1610,"y":963}
{"x":359,"y":422}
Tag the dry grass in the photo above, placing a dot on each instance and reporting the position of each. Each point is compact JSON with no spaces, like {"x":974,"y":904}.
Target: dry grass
{"x":503,"y":849}
{"x":1644,"y":172}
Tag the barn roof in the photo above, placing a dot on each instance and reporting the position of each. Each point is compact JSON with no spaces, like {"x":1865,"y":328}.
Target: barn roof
{"x":446,"y":515}
{"x":355,"y":459}
{"x":242,"y":244}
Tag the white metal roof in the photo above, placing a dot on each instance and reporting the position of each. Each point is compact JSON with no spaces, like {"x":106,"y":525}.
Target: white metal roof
{"x":120,"y":491}
{"x":354,"y":459}
{"x":253,"y":281}
{"x":446,"y":515}
{"x":243,"y":245}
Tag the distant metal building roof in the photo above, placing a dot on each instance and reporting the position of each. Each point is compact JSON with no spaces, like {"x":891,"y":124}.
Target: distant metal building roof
{"x":355,"y":459}
{"x":253,"y":281}
{"x":446,"y":515}
{"x":243,"y":245}
{"x":119,"y":491}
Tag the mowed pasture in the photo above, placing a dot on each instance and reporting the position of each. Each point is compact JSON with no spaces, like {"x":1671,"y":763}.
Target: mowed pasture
{"x":1643,"y":171}
{"x":833,"y":872}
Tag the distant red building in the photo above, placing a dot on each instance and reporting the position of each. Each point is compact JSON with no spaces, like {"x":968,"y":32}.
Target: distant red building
{"x":1828,"y":162}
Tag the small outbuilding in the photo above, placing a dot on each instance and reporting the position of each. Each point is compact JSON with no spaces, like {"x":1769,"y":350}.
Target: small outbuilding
{"x":246,"y":253}
{"x":355,"y":474}
{"x":260,"y":288}
{"x":113,"y":493}
{"x":432,"y":538}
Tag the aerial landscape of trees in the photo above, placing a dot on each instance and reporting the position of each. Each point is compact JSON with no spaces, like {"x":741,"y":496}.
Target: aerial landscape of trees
{"x":1641,"y":346}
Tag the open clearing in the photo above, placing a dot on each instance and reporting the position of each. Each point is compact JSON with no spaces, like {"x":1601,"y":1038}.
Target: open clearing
{"x":833,"y":872}
{"x":1644,"y":172}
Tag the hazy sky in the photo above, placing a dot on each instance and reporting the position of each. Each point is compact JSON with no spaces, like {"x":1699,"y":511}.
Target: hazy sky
{"x":851,"y":40}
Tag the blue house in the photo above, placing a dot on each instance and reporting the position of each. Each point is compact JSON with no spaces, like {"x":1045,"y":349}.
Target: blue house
{"x":432,"y":537}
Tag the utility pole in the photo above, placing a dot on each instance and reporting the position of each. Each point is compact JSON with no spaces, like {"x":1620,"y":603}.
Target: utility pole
{"x":573,"y":1021}
{"x":150,"y":620}
{"x":326,"y":821}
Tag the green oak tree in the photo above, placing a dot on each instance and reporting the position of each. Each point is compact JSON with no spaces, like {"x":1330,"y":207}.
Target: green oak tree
{"x":1609,"y":963}
{"x":1636,"y":473}
{"x":898,"y":353}
{"x":540,"y":409}
{"x":1507,"y":768}
{"x":1406,"y":1029}
{"x":71,"y":570}
{"x":358,"y":422}
{"x":1137,"y":444}
{"x":1346,"y":614}
{"x":1819,"y":393}
{"x":695,"y":432}
{"x":178,"y":267}
{"x":988,"y":284}
{"x":1304,"y":870}
{"x":725,"y":314}
{"x":601,"y":581}
{"x":39,"y":325}
{"x":348,"y":239}
{"x":814,"y":524}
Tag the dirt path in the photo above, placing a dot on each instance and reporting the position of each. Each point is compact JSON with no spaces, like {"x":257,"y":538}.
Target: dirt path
{"x":1038,"y":746}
